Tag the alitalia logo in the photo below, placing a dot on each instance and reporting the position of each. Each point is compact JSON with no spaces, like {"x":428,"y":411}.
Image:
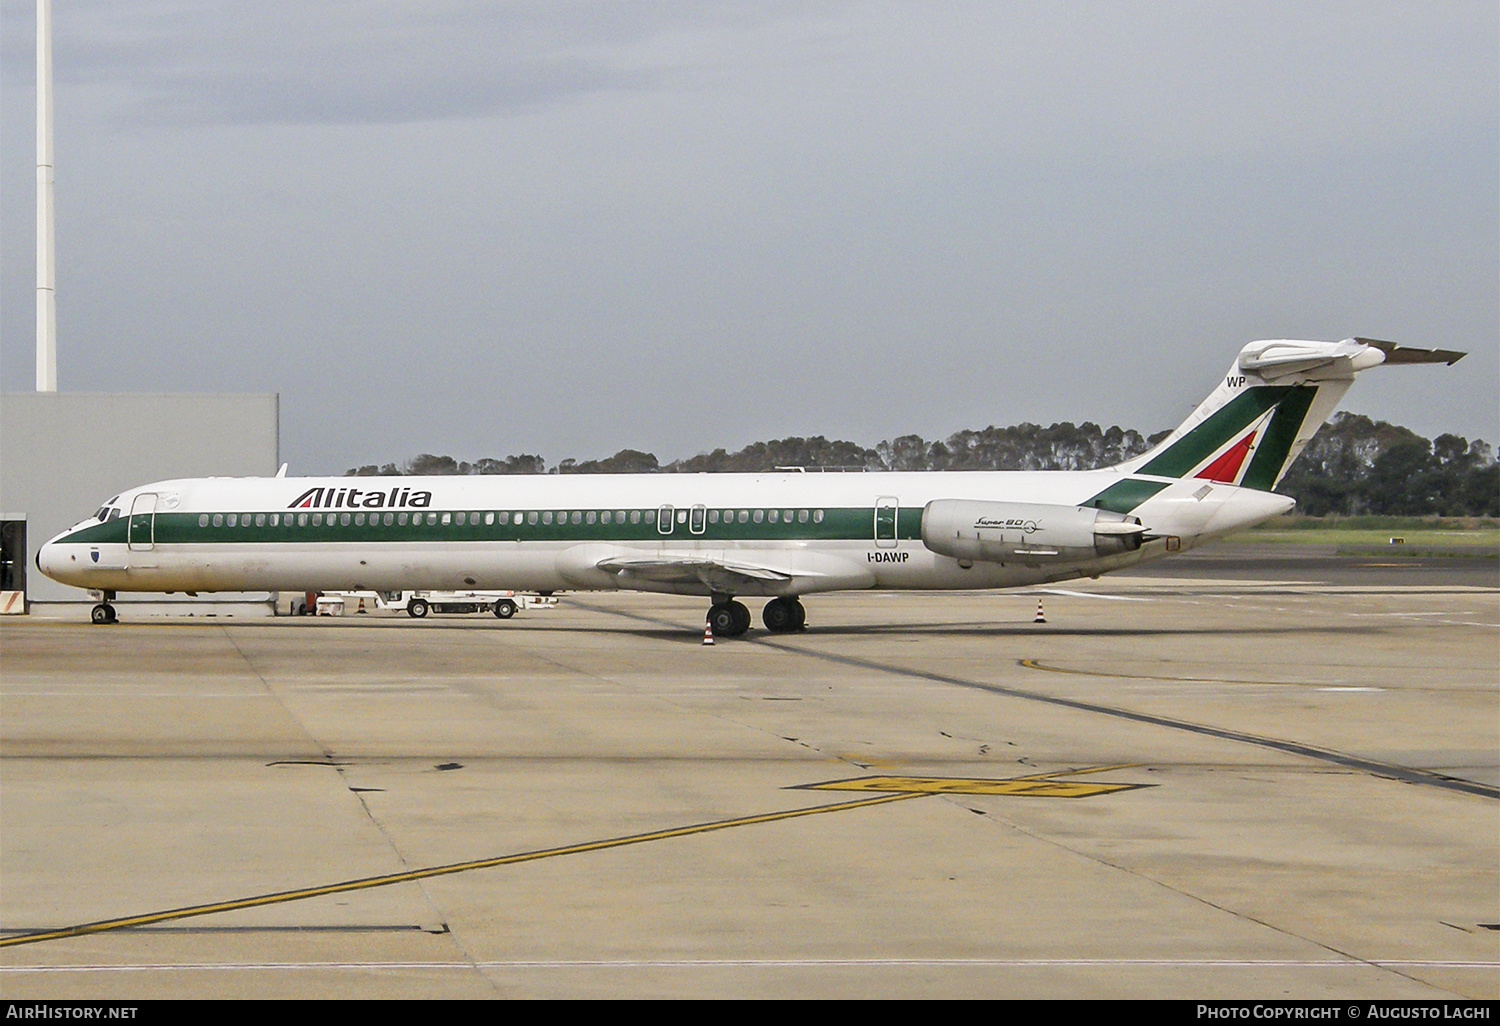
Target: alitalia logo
{"x":349,"y":498}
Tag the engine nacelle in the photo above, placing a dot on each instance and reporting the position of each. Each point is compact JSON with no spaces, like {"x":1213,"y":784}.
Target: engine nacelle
{"x":1026,"y":532}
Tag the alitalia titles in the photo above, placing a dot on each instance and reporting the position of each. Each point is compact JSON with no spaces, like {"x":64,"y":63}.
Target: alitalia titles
{"x":349,"y":498}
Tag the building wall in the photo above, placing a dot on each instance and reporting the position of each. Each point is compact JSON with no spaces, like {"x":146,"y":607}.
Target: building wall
{"x":63,"y":454}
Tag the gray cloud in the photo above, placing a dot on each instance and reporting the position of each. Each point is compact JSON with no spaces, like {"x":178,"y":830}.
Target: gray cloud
{"x":568,"y":228}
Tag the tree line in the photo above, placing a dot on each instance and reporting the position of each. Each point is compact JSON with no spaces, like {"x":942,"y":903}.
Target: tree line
{"x":1352,"y":466}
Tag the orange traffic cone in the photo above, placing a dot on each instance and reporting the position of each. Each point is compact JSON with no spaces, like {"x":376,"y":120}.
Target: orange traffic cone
{"x":1040,"y":616}
{"x":708,"y":634}
{"x":361,"y":608}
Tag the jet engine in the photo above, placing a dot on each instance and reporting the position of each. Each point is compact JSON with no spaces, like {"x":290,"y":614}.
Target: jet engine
{"x":1027,"y":532}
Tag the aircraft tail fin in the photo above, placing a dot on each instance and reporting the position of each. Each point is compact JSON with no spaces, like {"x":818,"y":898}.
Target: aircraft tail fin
{"x":1267,"y":408}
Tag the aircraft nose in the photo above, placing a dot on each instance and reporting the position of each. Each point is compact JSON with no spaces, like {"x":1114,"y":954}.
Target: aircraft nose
{"x":48,"y":558}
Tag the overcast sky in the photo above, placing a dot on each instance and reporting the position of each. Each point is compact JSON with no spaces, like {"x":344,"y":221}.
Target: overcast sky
{"x":567,"y":228}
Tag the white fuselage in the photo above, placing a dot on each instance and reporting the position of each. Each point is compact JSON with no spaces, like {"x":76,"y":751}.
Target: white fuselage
{"x":766,"y":534}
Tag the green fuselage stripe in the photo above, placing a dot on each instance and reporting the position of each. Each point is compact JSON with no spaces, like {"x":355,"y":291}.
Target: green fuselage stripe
{"x":849,"y":524}
{"x":1124,"y":496}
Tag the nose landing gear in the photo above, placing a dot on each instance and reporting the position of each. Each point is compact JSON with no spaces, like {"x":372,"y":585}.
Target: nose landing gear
{"x":103,"y":613}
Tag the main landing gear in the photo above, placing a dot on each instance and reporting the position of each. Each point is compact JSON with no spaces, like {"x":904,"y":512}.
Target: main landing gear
{"x":729,"y":619}
{"x":783,"y":615}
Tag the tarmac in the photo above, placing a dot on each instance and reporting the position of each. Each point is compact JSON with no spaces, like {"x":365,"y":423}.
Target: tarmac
{"x":1232,"y":780}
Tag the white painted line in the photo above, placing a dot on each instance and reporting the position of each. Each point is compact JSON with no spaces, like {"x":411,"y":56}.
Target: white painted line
{"x":1093,"y":595}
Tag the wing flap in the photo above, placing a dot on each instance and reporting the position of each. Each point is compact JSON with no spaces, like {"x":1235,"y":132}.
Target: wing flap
{"x":716,"y":574}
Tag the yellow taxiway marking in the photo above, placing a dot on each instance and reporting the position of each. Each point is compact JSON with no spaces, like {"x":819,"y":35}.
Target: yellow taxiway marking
{"x":365,"y":883}
{"x":1040,"y":785}
{"x":891,"y":789}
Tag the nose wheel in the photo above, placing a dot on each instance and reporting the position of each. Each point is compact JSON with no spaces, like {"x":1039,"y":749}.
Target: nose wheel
{"x":103,"y":613}
{"x":728,"y":619}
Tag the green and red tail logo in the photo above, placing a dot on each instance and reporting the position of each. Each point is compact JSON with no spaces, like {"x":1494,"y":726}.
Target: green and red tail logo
{"x":1247,"y":441}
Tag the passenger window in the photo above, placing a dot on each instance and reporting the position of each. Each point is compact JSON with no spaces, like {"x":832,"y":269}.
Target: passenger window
{"x":758,"y":516}
{"x":577,"y":517}
{"x":817,"y":516}
{"x":774,"y":515}
{"x":713,"y":516}
{"x":605,"y":517}
{"x":489,"y":518}
{"x":682,"y":515}
{"x":635,"y":516}
{"x":359,"y":520}
{"x":317,"y":519}
{"x":619,"y":516}
{"x":260,"y":520}
{"x":388,"y":519}
{"x":218,"y":520}
{"x":232,"y":520}
{"x":203,"y":520}
{"x":344,"y":519}
{"x":275,"y":519}
{"x":802,"y":516}
{"x":591,"y":517}
{"x":546,"y":517}
{"x":463,"y":519}
{"x":301,"y":519}
{"x":744,"y":516}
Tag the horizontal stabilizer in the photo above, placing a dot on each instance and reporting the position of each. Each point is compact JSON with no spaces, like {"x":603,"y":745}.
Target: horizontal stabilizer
{"x":1406,"y":354}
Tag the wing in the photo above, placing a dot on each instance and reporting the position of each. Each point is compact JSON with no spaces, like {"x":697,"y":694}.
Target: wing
{"x":717,"y":575}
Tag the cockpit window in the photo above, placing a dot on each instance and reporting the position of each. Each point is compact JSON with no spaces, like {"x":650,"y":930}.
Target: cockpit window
{"x":114,"y":514}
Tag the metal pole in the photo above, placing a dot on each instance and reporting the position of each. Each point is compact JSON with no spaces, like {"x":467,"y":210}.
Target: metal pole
{"x":46,"y":255}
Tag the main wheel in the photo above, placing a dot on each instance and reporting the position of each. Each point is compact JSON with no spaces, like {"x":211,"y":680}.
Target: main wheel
{"x":729,"y":619}
{"x":800,"y":612}
{"x":721,"y":620}
{"x":416,"y":608}
{"x":505,"y":609}
{"x":780,"y":615}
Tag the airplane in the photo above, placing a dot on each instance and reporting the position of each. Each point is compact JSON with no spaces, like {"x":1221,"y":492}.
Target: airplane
{"x":779,"y":535}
